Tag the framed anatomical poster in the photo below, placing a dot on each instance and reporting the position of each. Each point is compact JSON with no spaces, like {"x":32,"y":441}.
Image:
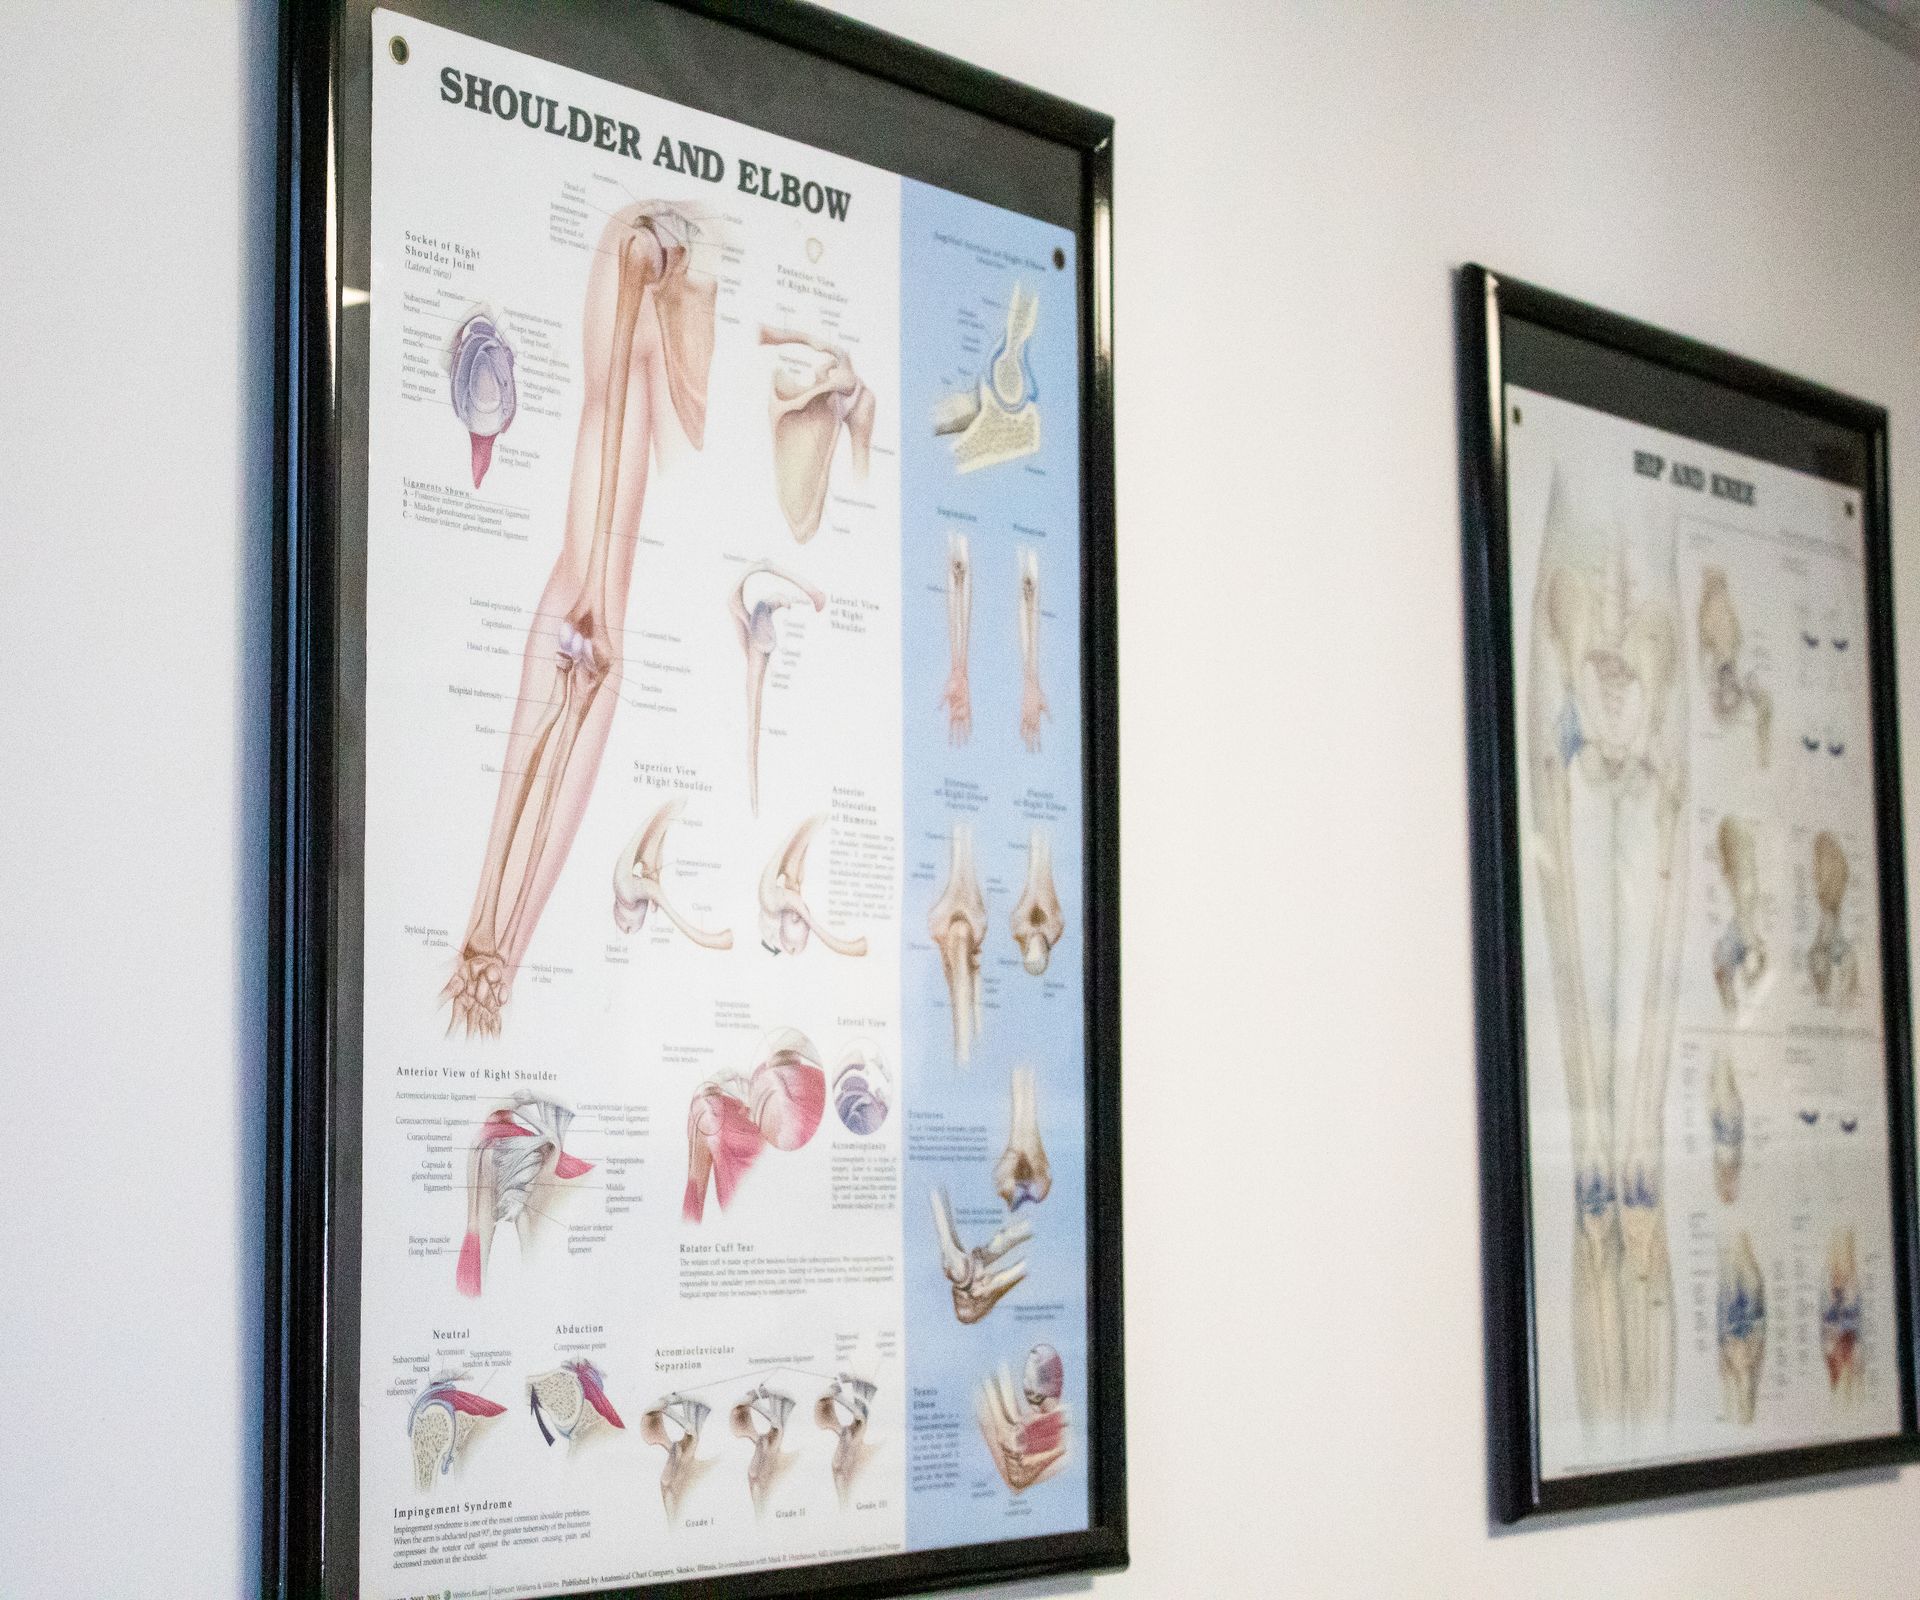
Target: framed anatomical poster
{"x":695,"y":982}
{"x":1690,"y":914}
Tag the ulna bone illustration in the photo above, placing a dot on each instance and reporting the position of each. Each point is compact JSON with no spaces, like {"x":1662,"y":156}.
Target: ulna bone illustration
{"x":638,"y":884}
{"x":733,"y":1118}
{"x":518,"y":1152}
{"x":786,"y":920}
{"x":1038,"y":924}
{"x":808,"y":411}
{"x":1730,"y":690}
{"x":1726,"y":1117}
{"x":762,"y":1417}
{"x":998,"y":419}
{"x":1831,"y":962}
{"x":958,"y":923}
{"x":480,"y":373}
{"x":1741,"y":1327}
{"x":1022,"y":1174}
{"x":1025,"y":1428}
{"x":753,"y":619}
{"x":861,"y":1093}
{"x":1033,"y":701}
{"x":570,"y":1402}
{"x":1840,"y":1319}
{"x":844,"y":1411}
{"x":956,"y":694}
{"x":674,"y":1425}
{"x":439,"y":1425}
{"x":1740,"y":954}
{"x":975,"y":1276}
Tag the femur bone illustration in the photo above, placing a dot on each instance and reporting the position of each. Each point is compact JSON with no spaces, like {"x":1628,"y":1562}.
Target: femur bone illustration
{"x":519,"y":1151}
{"x":1025,"y":1429}
{"x":956,"y":695}
{"x":1740,"y":954}
{"x":762,"y":1417}
{"x":786,"y":920}
{"x":1831,"y":960}
{"x":441,"y":1421}
{"x":978,"y":1282}
{"x":732,"y":1119}
{"x":1022,"y":1174}
{"x":808,"y":414}
{"x":758,"y":639}
{"x":1038,"y":924}
{"x":1033,"y":702}
{"x":958,"y":923}
{"x":1741,"y":1327}
{"x":674,"y":1425}
{"x":637,"y":881}
{"x":1728,"y":690}
{"x":1840,"y":1319}
{"x":860,"y":1091}
{"x":637,"y":371}
{"x":1727,"y":1117}
{"x":999,"y":419}
{"x":843,"y":1411}
{"x":480,"y":374}
{"x":570,"y":1401}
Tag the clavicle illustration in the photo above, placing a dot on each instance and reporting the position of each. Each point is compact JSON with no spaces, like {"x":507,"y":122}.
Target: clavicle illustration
{"x":570,"y":1402}
{"x":439,"y":1426}
{"x":1840,"y":1319}
{"x":1741,"y":1327}
{"x":1729,"y":690}
{"x":638,"y":371}
{"x":999,"y":418}
{"x":1033,"y":701}
{"x":754,"y":622}
{"x":1022,"y":1174}
{"x":958,"y":923}
{"x":1740,"y":954}
{"x":674,"y":1425}
{"x":480,"y":376}
{"x":516,"y":1158}
{"x":733,"y":1118}
{"x":808,"y":414}
{"x":1606,"y":749}
{"x":638,"y":882}
{"x":1037,"y":921}
{"x":979,"y":1283}
{"x":1831,"y":961}
{"x":786,"y":921}
{"x":1025,"y":1429}
{"x":843,"y":1411}
{"x":762,"y":1417}
{"x":1726,"y":1116}
{"x":956,"y":696}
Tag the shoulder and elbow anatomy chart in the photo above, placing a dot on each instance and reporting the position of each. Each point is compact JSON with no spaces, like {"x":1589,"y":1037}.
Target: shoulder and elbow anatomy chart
{"x":722,"y":1170}
{"x":1705,"y":1058}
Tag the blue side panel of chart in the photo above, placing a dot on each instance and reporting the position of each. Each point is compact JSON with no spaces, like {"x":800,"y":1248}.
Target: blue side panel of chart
{"x":963,"y":266}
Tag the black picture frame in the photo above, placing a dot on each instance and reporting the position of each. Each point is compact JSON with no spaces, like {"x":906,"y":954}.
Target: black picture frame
{"x":924,"y":114}
{"x":1627,"y":368}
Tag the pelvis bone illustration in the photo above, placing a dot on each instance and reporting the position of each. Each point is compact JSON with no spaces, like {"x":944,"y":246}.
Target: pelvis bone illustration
{"x":808,"y":414}
{"x":637,"y":882}
{"x":674,"y":1425}
{"x":439,"y":1425}
{"x":958,"y":923}
{"x":732,"y":1119}
{"x":480,"y":374}
{"x":1726,"y":1116}
{"x":1741,"y":1327}
{"x":956,"y":695}
{"x":1740,"y":954}
{"x":978,"y":1282}
{"x":999,"y":418}
{"x":1607,"y":759}
{"x":843,"y":1411}
{"x":1025,"y":1429}
{"x":762,"y":1417}
{"x":647,"y":345}
{"x":753,"y":620}
{"x":1831,"y":961}
{"x":1729,"y":690}
{"x":570,"y":1402}
{"x":1038,"y":924}
{"x":1033,"y":702}
{"x":786,"y":920}
{"x":517,"y":1157}
{"x":1022,"y":1174}
{"x":1840,"y":1319}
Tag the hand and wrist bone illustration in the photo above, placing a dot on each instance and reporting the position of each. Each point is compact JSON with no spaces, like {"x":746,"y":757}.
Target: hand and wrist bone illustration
{"x":1033,"y":702}
{"x":1831,"y":962}
{"x":843,"y":1411}
{"x":480,"y":374}
{"x":1730,"y":692}
{"x":1840,"y":1320}
{"x":1025,"y":1429}
{"x":439,"y":1425}
{"x":1727,"y":1118}
{"x":998,"y":420}
{"x":1022,"y":1174}
{"x":762,"y":1417}
{"x":956,"y":696}
{"x":1741,"y":1327}
{"x":674,"y":1425}
{"x":638,"y":882}
{"x":517,"y":1158}
{"x":1740,"y":954}
{"x":570,"y":1402}
{"x":733,"y":1118}
{"x":753,"y":620}
{"x":637,"y":369}
{"x":958,"y":923}
{"x":860,"y":1092}
{"x":978,"y":1282}
{"x":786,"y":920}
{"x":808,"y":414}
{"x":1038,"y":924}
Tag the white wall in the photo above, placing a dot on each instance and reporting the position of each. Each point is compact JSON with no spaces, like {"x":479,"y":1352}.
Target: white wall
{"x":1295,"y":182}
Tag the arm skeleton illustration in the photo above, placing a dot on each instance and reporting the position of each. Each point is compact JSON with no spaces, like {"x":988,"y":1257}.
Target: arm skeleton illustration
{"x":759,"y":640}
{"x":762,"y":1417}
{"x":441,"y":1421}
{"x":733,"y":1118}
{"x":808,"y":415}
{"x":958,"y":923}
{"x":1025,"y":1430}
{"x":636,"y":369}
{"x":1741,"y":1327}
{"x":786,"y":920}
{"x":843,"y":1411}
{"x":518,"y":1151}
{"x":1740,"y":954}
{"x":1022,"y":1174}
{"x":978,"y":1282}
{"x":956,"y":697}
{"x":1831,"y":961}
{"x":1033,"y":702}
{"x":1037,"y":921}
{"x":674,"y":1425}
{"x":637,"y":882}
{"x":1728,"y":691}
{"x":570,"y":1401}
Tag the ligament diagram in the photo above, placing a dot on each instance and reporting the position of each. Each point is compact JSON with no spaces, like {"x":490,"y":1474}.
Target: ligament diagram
{"x":786,"y":920}
{"x":1831,"y":962}
{"x":808,"y":411}
{"x":1606,"y":747}
{"x":570,"y":1403}
{"x":1022,"y":1175}
{"x":638,"y":882}
{"x":440,"y":1426}
{"x":480,"y":374}
{"x":1732,"y":692}
{"x":998,"y":419}
{"x":958,"y":923}
{"x":861,"y":1093}
{"x":977,"y":1280}
{"x":1740,"y":954}
{"x":843,"y":1411}
{"x":1840,"y":1320}
{"x":956,"y":696}
{"x":638,"y":370}
{"x":517,"y":1161}
{"x":1726,"y":1117}
{"x":1740,"y":1325}
{"x":1033,"y":702}
{"x":674,"y":1425}
{"x":1038,"y":924}
{"x":1026,"y":1427}
{"x":733,"y":1118}
{"x":753,"y":619}
{"x":762,"y":1418}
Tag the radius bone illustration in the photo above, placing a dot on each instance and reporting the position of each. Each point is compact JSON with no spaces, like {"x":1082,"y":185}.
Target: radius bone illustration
{"x":674,"y":1425}
{"x":977,"y":1280}
{"x":480,"y":373}
{"x":956,"y":696}
{"x":998,"y":420}
{"x":439,"y":1425}
{"x":786,"y":920}
{"x":647,"y":345}
{"x":1037,"y":921}
{"x":754,"y":622}
{"x":1831,"y":961}
{"x":517,"y":1157}
{"x":762,"y":1417}
{"x":1022,"y":1174}
{"x":1740,"y":954}
{"x":1741,"y":1326}
{"x":843,"y":1411}
{"x":958,"y":923}
{"x":732,"y":1119}
{"x":1033,"y":702}
{"x":808,"y":413}
{"x":570,"y":1402}
{"x":1025,"y":1429}
{"x":1729,"y":691}
{"x":637,"y":882}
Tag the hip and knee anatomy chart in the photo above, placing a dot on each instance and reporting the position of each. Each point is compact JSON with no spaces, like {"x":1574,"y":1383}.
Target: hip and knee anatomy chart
{"x":1713,"y":1253}
{"x":723,"y":1183}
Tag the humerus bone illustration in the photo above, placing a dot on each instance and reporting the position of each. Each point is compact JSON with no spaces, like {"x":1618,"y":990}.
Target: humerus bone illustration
{"x":754,"y":622}
{"x":1037,"y":921}
{"x":1729,"y":691}
{"x":843,"y":1411}
{"x":637,"y":370}
{"x":1831,"y":961}
{"x":808,"y":414}
{"x":1033,"y":702}
{"x":439,"y":1425}
{"x":1840,"y":1319}
{"x":860,"y":1092}
{"x":638,"y":882}
{"x":518,"y":1154}
{"x":762,"y":1417}
{"x":1025,"y":1430}
{"x":1606,"y":749}
{"x":786,"y":921}
{"x":570,"y":1401}
{"x":1022,"y":1174}
{"x":999,"y":419}
{"x":1740,"y":954}
{"x":1726,"y":1116}
{"x":732,"y":1119}
{"x":958,"y":923}
{"x":1741,"y":1327}
{"x":480,"y":373}
{"x":674,"y":1425}
{"x":978,"y":1282}
{"x":956,"y":696}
